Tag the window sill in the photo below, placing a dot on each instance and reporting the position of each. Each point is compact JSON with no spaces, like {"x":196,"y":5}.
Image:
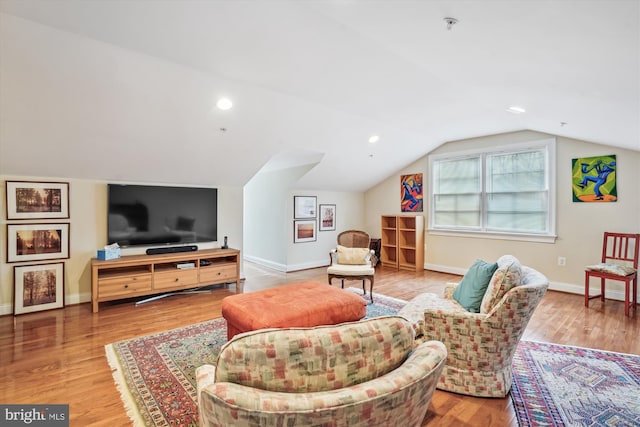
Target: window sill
{"x":538,"y":238}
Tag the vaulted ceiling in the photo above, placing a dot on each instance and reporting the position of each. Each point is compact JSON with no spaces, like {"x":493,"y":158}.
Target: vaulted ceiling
{"x":126,"y":90}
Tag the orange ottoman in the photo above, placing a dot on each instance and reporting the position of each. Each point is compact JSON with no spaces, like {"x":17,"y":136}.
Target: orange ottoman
{"x":301,"y":305}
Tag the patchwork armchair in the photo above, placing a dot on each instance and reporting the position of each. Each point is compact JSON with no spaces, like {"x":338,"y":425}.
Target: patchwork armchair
{"x":351,"y":259}
{"x":480,"y":345}
{"x":367,"y":373}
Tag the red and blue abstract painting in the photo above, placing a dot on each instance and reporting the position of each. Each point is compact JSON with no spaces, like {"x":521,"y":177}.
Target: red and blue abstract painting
{"x":411,"y":192}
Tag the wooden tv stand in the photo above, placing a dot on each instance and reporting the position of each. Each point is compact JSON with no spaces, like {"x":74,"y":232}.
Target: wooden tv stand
{"x":140,"y":275}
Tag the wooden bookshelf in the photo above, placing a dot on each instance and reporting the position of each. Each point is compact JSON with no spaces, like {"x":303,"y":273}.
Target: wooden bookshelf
{"x":403,"y":242}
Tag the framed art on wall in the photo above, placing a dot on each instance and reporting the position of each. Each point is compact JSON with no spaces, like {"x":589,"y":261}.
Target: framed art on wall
{"x":304,"y":231}
{"x":37,"y":200}
{"x":38,"y":287}
{"x":304,"y":207}
{"x":37,"y":242}
{"x":411,"y":192}
{"x":327,"y":217}
{"x":594,"y":179}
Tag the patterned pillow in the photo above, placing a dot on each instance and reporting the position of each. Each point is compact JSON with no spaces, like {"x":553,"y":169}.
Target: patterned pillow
{"x":353,"y":256}
{"x":504,"y":279}
{"x":618,"y":270}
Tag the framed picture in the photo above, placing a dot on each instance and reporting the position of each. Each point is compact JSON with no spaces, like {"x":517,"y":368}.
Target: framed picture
{"x":304,"y":231}
{"x":327,"y":217}
{"x":38,"y":287}
{"x":37,"y":242}
{"x":304,"y":207}
{"x":594,"y":179}
{"x":37,"y":200}
{"x":411,"y":192}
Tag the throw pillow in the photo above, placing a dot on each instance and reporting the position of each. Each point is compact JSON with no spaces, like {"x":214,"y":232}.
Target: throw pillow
{"x":505,"y":278}
{"x":471,"y":290}
{"x":353,"y":256}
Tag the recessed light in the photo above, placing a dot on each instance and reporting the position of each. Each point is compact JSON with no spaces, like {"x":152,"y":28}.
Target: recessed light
{"x":224,"y":104}
{"x":373,"y":139}
{"x":516,"y":110}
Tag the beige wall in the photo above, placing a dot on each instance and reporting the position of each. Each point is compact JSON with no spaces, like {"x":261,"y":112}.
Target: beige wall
{"x":88,"y":232}
{"x":579,"y":226}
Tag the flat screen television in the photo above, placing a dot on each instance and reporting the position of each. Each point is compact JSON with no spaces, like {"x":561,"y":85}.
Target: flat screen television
{"x":147,"y":215}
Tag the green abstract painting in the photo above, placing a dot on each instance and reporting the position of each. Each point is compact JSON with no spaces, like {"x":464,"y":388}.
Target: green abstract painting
{"x":594,"y":179}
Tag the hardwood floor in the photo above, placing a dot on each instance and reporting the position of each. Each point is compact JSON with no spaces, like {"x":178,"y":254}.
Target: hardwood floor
{"x":58,"y":356}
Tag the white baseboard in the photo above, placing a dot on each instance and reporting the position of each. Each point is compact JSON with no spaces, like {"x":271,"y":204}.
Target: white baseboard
{"x":570,"y":288}
{"x":285,"y":268}
{"x":72,"y":299}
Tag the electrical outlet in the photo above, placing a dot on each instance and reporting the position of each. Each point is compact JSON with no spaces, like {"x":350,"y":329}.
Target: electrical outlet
{"x":562,"y":261}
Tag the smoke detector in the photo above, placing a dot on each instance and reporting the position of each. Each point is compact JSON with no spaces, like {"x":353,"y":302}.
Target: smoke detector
{"x":450,"y":22}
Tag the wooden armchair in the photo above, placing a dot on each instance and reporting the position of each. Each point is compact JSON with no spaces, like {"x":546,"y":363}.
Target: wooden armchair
{"x":351,"y":259}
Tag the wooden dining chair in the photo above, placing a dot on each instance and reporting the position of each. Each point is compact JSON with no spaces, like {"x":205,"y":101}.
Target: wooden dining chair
{"x":619,"y":262}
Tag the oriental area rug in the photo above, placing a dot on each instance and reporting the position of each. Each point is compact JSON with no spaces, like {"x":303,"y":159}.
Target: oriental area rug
{"x":555,"y":385}
{"x":155,"y":374}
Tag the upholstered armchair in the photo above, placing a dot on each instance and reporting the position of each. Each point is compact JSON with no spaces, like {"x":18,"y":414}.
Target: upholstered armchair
{"x":367,"y":373}
{"x":351,"y":259}
{"x":480,"y":345}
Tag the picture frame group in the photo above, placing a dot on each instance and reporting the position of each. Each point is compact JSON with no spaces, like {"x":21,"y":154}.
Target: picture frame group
{"x":33,"y":234}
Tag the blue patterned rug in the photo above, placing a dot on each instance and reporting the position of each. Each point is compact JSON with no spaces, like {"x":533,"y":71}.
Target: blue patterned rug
{"x":155,"y":374}
{"x":556,"y":385}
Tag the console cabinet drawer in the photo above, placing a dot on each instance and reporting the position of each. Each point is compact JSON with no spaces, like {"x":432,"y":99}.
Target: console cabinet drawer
{"x":219,"y":274}
{"x":122,"y":286}
{"x":175,"y":279}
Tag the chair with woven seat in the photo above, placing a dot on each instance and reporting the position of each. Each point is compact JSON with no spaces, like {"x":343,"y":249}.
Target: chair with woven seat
{"x":619,"y":262}
{"x":351,"y":259}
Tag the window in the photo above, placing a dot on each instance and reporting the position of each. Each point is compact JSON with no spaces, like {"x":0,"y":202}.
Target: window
{"x":505,"y":191}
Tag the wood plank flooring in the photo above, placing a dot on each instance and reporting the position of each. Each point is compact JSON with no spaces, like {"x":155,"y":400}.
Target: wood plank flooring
{"x":58,"y":356}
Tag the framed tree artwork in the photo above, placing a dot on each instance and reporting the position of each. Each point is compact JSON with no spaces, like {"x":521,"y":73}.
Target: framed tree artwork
{"x":38,"y":287}
{"x":37,"y":200}
{"x":327,"y":217}
{"x":37,"y":242}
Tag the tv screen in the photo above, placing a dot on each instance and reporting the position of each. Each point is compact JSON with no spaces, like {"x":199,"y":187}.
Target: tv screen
{"x":146,"y":215}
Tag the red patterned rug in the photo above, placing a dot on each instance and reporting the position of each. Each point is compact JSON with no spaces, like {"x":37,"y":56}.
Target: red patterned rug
{"x":155,"y":374}
{"x":555,"y":385}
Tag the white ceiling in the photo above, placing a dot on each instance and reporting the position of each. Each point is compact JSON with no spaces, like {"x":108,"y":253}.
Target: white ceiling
{"x":309,"y":79}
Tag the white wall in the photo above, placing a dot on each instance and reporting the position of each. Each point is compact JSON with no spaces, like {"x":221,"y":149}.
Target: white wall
{"x":88,"y":232}
{"x":269,"y":222}
{"x":579,"y":225}
{"x":349,"y":215}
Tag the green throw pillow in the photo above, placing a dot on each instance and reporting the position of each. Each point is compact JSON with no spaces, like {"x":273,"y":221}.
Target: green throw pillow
{"x":471,"y":290}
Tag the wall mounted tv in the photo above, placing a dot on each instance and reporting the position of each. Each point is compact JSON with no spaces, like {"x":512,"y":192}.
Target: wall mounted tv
{"x":146,"y":215}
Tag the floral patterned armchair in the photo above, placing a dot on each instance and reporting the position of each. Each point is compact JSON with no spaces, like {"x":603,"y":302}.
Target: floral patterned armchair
{"x":366,"y":373}
{"x":481,"y":345}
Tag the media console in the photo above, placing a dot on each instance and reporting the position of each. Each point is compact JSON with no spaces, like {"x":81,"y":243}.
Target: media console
{"x":140,"y":275}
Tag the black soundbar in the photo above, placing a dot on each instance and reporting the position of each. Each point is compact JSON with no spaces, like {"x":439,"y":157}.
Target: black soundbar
{"x":171,"y":249}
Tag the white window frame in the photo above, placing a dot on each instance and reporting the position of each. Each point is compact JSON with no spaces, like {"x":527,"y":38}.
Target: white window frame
{"x":549,"y":237}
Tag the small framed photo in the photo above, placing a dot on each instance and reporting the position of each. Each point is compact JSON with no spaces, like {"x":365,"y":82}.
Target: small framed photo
{"x":327,"y":217}
{"x":304,"y":231}
{"x":37,"y":200}
{"x":304,"y":207}
{"x":37,"y":242}
{"x":38,"y":287}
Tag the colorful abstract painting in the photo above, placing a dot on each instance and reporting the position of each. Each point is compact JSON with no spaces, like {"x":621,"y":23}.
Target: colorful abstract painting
{"x":411,"y":192}
{"x":594,"y":179}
